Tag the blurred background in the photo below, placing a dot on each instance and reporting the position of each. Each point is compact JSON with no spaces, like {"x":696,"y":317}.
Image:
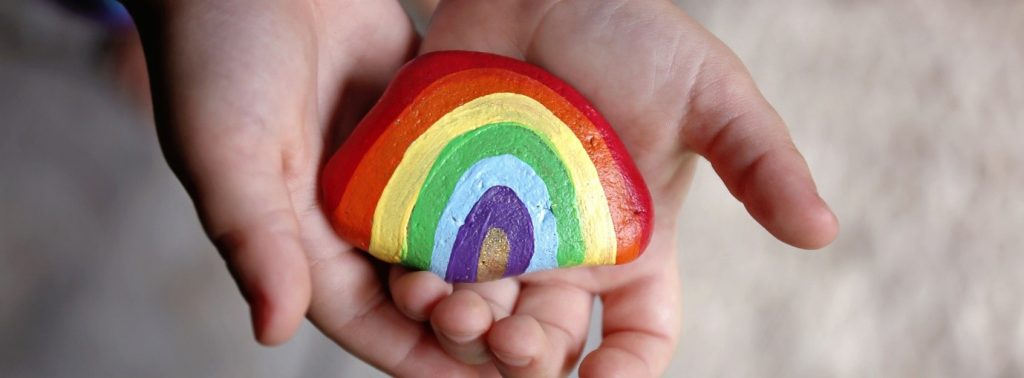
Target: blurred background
{"x":911,"y":114}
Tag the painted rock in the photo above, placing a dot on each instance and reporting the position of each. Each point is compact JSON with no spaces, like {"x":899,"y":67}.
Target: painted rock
{"x":477,"y":167}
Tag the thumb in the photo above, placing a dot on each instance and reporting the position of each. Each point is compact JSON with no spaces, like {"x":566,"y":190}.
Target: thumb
{"x":733,"y":126}
{"x":228,"y":97}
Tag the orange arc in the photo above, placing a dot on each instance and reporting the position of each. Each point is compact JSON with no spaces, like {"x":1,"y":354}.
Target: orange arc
{"x":355,"y":211}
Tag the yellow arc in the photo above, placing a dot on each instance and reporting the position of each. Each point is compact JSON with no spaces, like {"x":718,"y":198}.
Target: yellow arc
{"x":391,"y":216}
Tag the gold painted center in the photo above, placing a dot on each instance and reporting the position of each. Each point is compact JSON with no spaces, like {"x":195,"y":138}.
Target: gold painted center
{"x":493,"y":256}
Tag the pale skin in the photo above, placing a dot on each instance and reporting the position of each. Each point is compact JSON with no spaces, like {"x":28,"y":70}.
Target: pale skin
{"x":251,"y":96}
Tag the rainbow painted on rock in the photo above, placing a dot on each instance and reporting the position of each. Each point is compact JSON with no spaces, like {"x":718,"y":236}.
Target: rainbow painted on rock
{"x":477,"y":167}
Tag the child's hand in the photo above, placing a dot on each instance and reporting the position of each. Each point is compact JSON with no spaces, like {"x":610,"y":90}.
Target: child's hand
{"x":672,"y":91}
{"x":245,"y":91}
{"x":249,"y":97}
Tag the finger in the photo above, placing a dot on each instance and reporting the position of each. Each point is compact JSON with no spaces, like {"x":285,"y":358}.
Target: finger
{"x":460,"y":322}
{"x":251,"y":221}
{"x":517,"y":342}
{"x":223,"y":116}
{"x":639,"y":329}
{"x":546,"y":333}
{"x":350,"y":307}
{"x":747,"y":143}
{"x":355,"y":313}
{"x":417,"y":293}
{"x":500,"y":295}
{"x":469,"y":346}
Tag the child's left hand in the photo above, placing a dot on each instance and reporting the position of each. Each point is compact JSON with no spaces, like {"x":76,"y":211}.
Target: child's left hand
{"x":672,"y":91}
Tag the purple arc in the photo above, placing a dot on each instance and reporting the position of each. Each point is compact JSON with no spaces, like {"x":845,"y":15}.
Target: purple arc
{"x":499,"y":207}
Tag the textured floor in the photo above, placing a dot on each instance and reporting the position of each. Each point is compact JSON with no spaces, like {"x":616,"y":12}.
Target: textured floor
{"x":911,"y":114}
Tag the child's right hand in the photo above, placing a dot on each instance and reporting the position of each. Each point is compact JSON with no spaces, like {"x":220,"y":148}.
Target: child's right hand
{"x":672,"y":91}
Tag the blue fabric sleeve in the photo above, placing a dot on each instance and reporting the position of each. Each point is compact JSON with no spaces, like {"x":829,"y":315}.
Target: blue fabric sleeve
{"x":108,"y":12}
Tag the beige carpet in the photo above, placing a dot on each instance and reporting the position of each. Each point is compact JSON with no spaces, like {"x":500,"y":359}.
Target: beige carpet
{"x":911,"y":114}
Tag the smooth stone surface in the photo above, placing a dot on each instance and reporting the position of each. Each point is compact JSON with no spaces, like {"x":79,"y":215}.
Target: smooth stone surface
{"x":476,"y":167}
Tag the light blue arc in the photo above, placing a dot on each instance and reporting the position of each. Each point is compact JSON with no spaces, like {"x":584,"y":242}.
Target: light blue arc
{"x":503,"y":170}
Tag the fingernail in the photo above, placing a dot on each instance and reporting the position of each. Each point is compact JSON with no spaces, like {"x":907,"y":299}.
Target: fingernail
{"x":257,"y":321}
{"x":512,"y":360}
{"x":459,"y":339}
{"x":259,"y":315}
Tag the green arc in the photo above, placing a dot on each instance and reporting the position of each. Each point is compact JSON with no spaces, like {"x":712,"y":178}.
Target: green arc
{"x":460,"y":154}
